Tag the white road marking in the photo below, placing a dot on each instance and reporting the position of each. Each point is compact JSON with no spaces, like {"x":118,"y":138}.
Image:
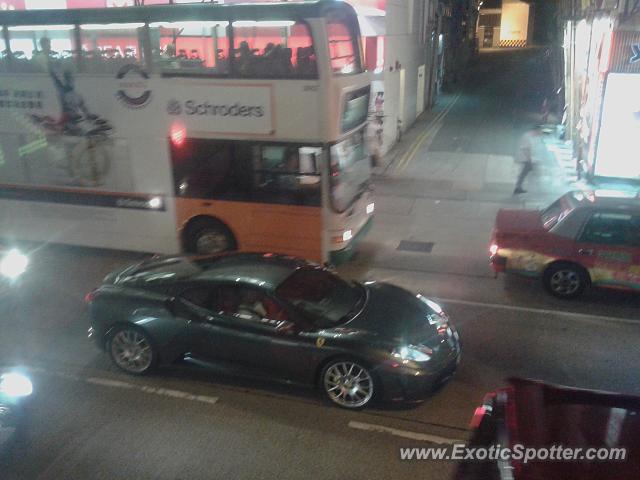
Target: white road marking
{"x":541,"y":311}
{"x":105,"y":382}
{"x":110,"y":383}
{"x":422,"y":437}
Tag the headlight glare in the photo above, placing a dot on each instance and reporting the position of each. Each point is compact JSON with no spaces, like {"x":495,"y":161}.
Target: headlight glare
{"x":13,"y":264}
{"x":431,"y":304}
{"x":15,"y":385}
{"x":413,"y":353}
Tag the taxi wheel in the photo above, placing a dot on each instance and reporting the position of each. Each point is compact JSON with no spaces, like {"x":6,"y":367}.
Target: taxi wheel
{"x":565,"y":280}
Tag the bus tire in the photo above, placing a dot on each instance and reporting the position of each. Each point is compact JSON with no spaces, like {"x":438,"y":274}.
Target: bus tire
{"x":206,"y":236}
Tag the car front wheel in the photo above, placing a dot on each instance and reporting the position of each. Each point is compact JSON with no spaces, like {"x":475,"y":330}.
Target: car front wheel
{"x":348,"y":384}
{"x":132,"y":351}
{"x":565,"y":280}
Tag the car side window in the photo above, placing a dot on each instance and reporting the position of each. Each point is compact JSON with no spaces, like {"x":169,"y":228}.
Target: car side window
{"x":200,"y":297}
{"x":611,"y":229}
{"x":249,"y":304}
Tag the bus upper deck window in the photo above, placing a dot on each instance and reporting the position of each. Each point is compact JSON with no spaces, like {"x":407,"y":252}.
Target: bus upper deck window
{"x":191,"y":47}
{"x":106,"y":48}
{"x":38,"y":48}
{"x":343,"y":47}
{"x":273,"y":49}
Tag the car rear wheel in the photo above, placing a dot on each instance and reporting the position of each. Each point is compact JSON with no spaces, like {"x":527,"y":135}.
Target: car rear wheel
{"x":565,"y":280}
{"x":132,"y":351}
{"x":348,"y":384}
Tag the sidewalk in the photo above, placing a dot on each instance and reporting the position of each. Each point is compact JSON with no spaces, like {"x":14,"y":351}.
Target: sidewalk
{"x":423,"y":165}
{"x":404,"y":145}
{"x":438,"y":191}
{"x":562,"y":151}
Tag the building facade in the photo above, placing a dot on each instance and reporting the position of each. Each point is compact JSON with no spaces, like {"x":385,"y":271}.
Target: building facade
{"x":509,"y":26}
{"x":602,"y":80}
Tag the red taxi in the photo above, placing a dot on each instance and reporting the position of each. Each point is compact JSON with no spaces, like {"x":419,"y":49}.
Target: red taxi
{"x":587,"y":434}
{"x":582,"y":239}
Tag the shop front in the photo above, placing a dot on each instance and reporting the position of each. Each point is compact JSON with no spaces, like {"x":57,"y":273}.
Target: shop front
{"x":615,"y":151}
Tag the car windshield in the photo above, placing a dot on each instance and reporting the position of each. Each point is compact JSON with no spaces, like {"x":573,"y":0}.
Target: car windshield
{"x":556,"y":212}
{"x":166,"y":270}
{"x":322,"y":295}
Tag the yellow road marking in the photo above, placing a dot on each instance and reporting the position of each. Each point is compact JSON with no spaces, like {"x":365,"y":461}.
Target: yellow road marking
{"x":407,"y":158}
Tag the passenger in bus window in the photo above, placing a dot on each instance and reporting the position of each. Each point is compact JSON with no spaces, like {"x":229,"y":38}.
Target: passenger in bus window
{"x":306,"y":62}
{"x":246,"y":59}
{"x":42,"y":57}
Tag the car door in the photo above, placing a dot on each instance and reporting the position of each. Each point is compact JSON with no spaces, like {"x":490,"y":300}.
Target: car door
{"x":609,"y":248}
{"x":196,"y":303}
{"x":261,"y":334}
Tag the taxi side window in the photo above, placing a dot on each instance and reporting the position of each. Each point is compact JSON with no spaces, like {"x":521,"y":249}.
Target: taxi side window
{"x":612,"y":229}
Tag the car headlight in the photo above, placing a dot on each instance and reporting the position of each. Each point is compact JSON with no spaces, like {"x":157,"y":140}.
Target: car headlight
{"x":15,"y":385}
{"x":413,"y":353}
{"x":13,"y":264}
{"x":439,"y":317}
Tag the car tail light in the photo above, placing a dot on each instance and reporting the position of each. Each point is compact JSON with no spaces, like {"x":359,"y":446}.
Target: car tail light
{"x":493,"y":249}
{"x":90,"y":297}
{"x":478,"y":415}
{"x":482,"y":410}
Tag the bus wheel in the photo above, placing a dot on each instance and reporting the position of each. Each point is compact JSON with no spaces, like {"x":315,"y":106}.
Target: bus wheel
{"x":206,"y":237}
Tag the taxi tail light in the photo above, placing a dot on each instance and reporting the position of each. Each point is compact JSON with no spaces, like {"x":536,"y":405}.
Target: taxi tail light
{"x":482,"y":410}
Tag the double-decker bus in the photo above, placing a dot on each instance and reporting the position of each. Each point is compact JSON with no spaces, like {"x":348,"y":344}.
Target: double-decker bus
{"x":197,"y":127}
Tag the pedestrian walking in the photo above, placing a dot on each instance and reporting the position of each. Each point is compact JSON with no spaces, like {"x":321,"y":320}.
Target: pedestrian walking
{"x":545,"y":111}
{"x":525,"y":156}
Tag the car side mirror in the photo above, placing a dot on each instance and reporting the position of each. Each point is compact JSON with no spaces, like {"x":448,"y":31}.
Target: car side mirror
{"x":176,"y":307}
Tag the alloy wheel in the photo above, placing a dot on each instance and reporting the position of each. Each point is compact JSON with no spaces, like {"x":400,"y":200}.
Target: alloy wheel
{"x":348,"y":384}
{"x":131,"y":351}
{"x":565,"y":282}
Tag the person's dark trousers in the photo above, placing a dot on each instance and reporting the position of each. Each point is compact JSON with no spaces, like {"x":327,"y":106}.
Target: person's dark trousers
{"x":526,"y":169}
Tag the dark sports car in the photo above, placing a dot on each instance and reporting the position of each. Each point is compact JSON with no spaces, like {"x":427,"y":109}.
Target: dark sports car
{"x":280,"y":315}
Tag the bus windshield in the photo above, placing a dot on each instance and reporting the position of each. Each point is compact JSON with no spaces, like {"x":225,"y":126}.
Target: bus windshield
{"x":350,"y":170}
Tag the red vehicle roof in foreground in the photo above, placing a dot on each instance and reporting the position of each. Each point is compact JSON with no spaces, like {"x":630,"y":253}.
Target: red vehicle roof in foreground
{"x":542,"y":415}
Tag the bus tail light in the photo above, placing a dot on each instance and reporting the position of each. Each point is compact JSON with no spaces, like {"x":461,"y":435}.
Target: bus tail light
{"x":178,"y":135}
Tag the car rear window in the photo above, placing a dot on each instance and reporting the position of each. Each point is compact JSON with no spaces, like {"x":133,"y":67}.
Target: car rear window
{"x":557,"y":211}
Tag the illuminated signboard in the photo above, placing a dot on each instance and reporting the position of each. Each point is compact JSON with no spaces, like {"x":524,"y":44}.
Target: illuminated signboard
{"x":617,"y":151}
